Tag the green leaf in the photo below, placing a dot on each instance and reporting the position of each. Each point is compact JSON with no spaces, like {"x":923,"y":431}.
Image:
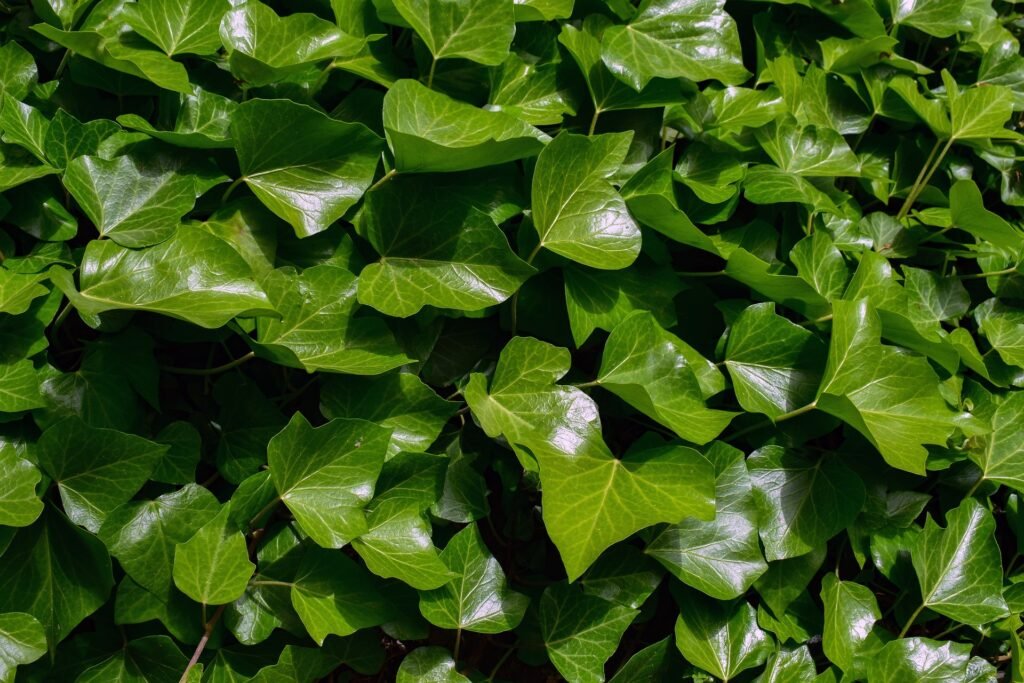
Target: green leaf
{"x":920,"y":659}
{"x":720,"y":557}
{"x":19,"y":387}
{"x":429,"y":131}
{"x":1000,"y":454}
{"x":624,"y":576}
{"x":18,"y":166}
{"x":398,"y":542}
{"x":661,"y":375}
{"x":24,"y":125}
{"x":656,"y":663}
{"x":531,"y":92}
{"x":821,"y":265}
{"x":319,"y":327}
{"x":398,"y":401}
{"x":68,"y":138}
{"x":22,"y":641}
{"x":265,"y":48}
{"x":802,"y":503}
{"x":792,"y":666}
{"x":152,"y":659}
{"x":765,"y":184}
{"x":303,"y":165}
{"x":203,"y":121}
{"x":850,"y":638}
{"x":96,"y":470}
{"x":958,"y":567}
{"x":136,"y":200}
{"x":979,"y":113}
{"x":429,"y":665}
{"x":325,"y":475}
{"x":888,"y":395}
{"x":179,"y":26}
{"x":968,"y":212}
{"x":213,"y":567}
{"x":807,"y":151}
{"x":193,"y":276}
{"x":447,"y":254}
{"x":720,"y":638}
{"x":478,"y":598}
{"x":774,"y":364}
{"x":576,"y":211}
{"x":142,"y":535}
{"x":334,"y":595}
{"x":581,"y":632}
{"x":56,"y":572}
{"x":477,"y":30}
{"x":692,"y":39}
{"x":19,"y":504}
{"x":940,"y":18}
{"x":18,"y":71}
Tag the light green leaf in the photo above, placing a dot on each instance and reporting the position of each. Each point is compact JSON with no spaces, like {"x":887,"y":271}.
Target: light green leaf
{"x":303,"y":165}
{"x":692,"y":39}
{"x":1000,"y":454}
{"x":213,"y":566}
{"x":429,"y":131}
{"x":22,"y":641}
{"x":478,"y":598}
{"x":19,"y":387}
{"x":142,"y":535}
{"x":56,"y":572}
{"x":660,"y":375}
{"x":153,"y":659}
{"x":721,"y":557}
{"x":193,"y":276}
{"x":399,"y":401}
{"x":24,"y":125}
{"x":179,"y":26}
{"x":580,"y":631}
{"x":19,"y":504}
{"x":203,"y":122}
{"x":921,"y":660}
{"x":807,"y":151}
{"x":136,"y":200}
{"x":18,"y":71}
{"x":979,"y":113}
{"x":775,"y":365}
{"x":721,"y":638}
{"x":429,"y":665}
{"x":576,"y":210}
{"x":790,"y":666}
{"x":939,"y":18}
{"x":765,"y":184}
{"x":477,"y":30}
{"x":96,"y":470}
{"x":968,"y":212}
{"x":802,"y":503}
{"x":850,"y":638}
{"x":435,"y":250}
{"x":19,"y":166}
{"x":531,"y":92}
{"x":624,"y":576}
{"x":888,"y":395}
{"x":959,"y":568}
{"x":319,"y":329}
{"x":821,"y":264}
{"x":326,"y":475}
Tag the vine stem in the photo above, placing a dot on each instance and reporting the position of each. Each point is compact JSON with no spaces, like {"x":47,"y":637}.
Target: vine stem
{"x":458,"y":646}
{"x":994,"y":273}
{"x":430,"y":76}
{"x":207,"y":632}
{"x":923,"y":177}
{"x":501,"y":662}
{"x":210,"y":371}
{"x":910,"y":621}
{"x":383,"y":179}
{"x":593,"y":121}
{"x":231,"y":188}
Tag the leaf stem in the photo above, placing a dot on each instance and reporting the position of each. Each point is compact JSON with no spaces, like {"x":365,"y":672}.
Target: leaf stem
{"x":207,"y":632}
{"x":910,"y":621}
{"x":231,"y":188}
{"x":62,"y":316}
{"x":383,"y":179}
{"x":501,"y":662}
{"x":702,"y":273}
{"x":430,"y":75}
{"x":593,"y":121}
{"x":269,"y":506}
{"x":210,"y":371}
{"x":587,"y":385}
{"x":993,"y":273}
{"x":823,"y":319}
{"x":921,"y":183}
{"x":458,"y":646}
{"x":796,"y":413}
{"x":283,"y":584}
{"x":514,"y":315}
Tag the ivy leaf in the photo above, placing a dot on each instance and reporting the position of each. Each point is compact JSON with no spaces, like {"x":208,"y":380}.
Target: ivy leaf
{"x":447,"y":254}
{"x":850,"y":640}
{"x":136,"y":200}
{"x":399,"y":401}
{"x":934,"y":17}
{"x":692,"y":39}
{"x":24,"y":125}
{"x":889,"y":396}
{"x":656,"y":663}
{"x":477,"y":30}
{"x":325,"y":475}
{"x":429,"y":131}
{"x":192,"y":276}
{"x":533,"y":93}
{"x":958,"y":567}
{"x":96,"y":470}
{"x":660,"y":375}
{"x":19,"y":504}
{"x":775,"y":365}
{"x":720,"y":557}
{"x":146,"y":660}
{"x":67,"y":138}
{"x":722,"y":639}
{"x":319,"y":328}
{"x":334,"y":595}
{"x":142,"y":536}
{"x":213,"y":567}
{"x":19,"y":387}
{"x":303,"y":165}
{"x":580,"y":631}
{"x":179,"y":27}
{"x":576,"y":211}
{"x":920,"y":659}
{"x":18,"y":72}
{"x":57,"y":573}
{"x":429,"y":665}
{"x":978,"y":113}
{"x":1000,"y":454}
{"x":478,"y":598}
{"x":203,"y":121}
{"x":807,"y":151}
{"x":792,"y":666}
{"x":802,"y":503}
{"x":22,"y":641}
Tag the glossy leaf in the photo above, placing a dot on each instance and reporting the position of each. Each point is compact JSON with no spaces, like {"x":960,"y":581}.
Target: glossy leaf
{"x":213,"y":567}
{"x":478,"y":30}
{"x":722,"y":639}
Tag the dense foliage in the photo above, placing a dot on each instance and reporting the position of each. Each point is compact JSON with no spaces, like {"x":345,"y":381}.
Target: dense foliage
{"x":511,"y":340}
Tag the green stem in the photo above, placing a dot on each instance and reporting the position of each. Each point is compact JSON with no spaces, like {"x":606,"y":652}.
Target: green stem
{"x":910,"y":621}
{"x":515,"y":297}
{"x":709,"y":273}
{"x":231,"y":188}
{"x":796,"y":413}
{"x":587,"y":385}
{"x":266,"y":508}
{"x":501,"y":662}
{"x":261,"y":582}
{"x":920,"y":175}
{"x":211,"y":371}
{"x":918,"y":187}
{"x":458,"y":646}
{"x":973,"y":489}
{"x":993,"y":273}
{"x":383,"y":179}
{"x":815,"y":321}
{"x":430,"y":75}
{"x":62,"y":316}
{"x":593,"y":121}
{"x":207,"y":632}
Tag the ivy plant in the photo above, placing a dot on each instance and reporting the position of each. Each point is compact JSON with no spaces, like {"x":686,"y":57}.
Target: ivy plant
{"x":640,"y":341}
